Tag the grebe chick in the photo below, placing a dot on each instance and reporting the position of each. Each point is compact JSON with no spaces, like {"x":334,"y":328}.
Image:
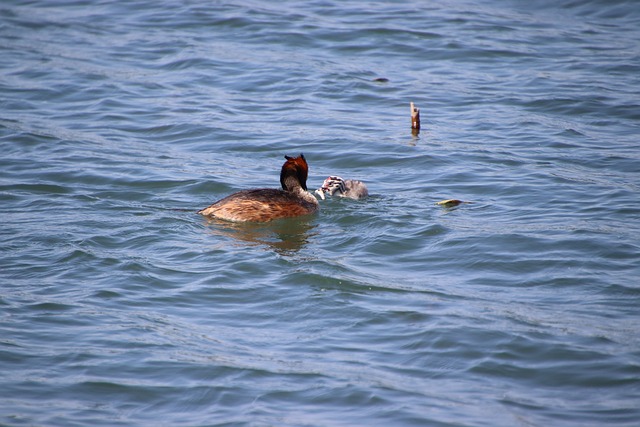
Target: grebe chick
{"x":350,"y":188}
{"x":267,"y":204}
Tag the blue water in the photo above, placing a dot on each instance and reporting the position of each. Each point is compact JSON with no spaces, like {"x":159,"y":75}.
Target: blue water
{"x":120,"y":306}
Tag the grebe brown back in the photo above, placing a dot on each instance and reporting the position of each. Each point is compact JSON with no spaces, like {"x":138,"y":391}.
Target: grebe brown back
{"x":350,"y":188}
{"x":267,"y":204}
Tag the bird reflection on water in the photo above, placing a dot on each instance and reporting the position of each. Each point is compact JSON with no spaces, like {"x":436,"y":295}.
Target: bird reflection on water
{"x":284,"y":236}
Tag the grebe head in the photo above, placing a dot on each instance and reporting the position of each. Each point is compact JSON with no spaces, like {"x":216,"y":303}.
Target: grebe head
{"x":294,"y":173}
{"x":331,"y":185}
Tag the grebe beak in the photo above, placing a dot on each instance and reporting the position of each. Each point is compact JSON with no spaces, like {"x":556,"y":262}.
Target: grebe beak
{"x":320,"y":192}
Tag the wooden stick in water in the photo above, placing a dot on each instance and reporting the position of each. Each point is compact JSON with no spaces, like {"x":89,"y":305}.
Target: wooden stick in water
{"x":415,"y":117}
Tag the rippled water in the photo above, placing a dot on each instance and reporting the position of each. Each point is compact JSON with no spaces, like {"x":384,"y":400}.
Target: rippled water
{"x":120,"y":306}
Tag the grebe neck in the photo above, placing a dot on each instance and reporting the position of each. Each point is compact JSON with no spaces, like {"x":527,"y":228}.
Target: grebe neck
{"x":306,"y":196}
{"x":292,"y":183}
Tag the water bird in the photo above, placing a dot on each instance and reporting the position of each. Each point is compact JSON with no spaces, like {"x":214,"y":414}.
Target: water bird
{"x":350,"y":188}
{"x":268,"y":204}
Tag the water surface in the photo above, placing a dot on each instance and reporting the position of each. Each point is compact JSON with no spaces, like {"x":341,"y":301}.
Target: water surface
{"x":120,"y":306}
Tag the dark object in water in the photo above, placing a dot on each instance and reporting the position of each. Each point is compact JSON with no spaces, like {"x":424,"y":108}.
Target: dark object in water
{"x":415,"y":117}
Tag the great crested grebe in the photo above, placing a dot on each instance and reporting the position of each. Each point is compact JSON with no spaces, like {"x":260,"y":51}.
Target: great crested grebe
{"x":350,"y":188}
{"x":267,"y":204}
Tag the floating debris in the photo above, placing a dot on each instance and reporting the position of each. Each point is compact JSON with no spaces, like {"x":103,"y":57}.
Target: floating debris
{"x":415,"y":117}
{"x":450,"y":203}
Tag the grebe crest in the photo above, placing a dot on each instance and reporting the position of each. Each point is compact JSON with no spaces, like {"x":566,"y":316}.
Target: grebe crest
{"x":267,"y":204}
{"x":350,"y":188}
{"x":294,"y":173}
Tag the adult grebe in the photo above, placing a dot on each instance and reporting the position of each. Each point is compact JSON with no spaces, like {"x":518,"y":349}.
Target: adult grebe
{"x":350,"y":188}
{"x":267,"y":204}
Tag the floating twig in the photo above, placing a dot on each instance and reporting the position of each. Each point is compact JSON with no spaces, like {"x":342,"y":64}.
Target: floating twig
{"x":415,"y":117}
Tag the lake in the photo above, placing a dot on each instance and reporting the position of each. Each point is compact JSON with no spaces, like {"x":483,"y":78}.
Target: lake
{"x":120,"y":306}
